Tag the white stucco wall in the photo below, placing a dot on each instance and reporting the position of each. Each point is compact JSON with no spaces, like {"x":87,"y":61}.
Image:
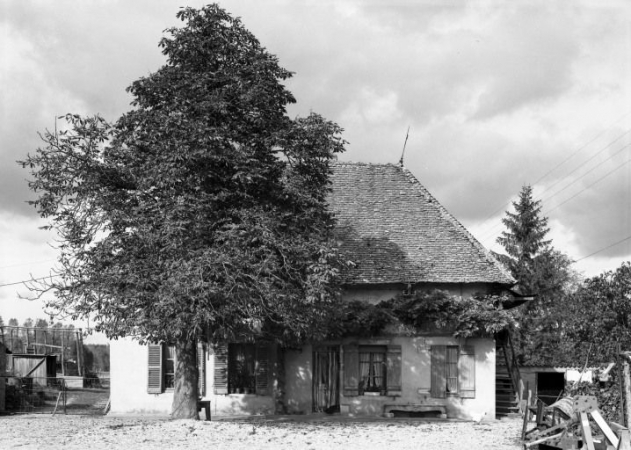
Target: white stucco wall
{"x":129,"y":394}
{"x":415,"y":378}
{"x":128,"y":387}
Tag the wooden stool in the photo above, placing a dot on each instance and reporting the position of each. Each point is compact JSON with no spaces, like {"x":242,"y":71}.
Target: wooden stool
{"x":206,"y":405}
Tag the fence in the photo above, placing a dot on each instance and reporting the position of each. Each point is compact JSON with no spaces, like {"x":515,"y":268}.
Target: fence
{"x":39,"y":395}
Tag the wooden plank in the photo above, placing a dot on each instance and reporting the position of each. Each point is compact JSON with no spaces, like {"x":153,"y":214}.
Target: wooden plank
{"x":544,"y":439}
{"x":588,"y":441}
{"x":526,"y":418}
{"x":607,"y":431}
{"x":41,"y":361}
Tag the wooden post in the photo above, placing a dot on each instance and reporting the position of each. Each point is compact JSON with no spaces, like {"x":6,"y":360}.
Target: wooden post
{"x":80,"y":359}
{"x":588,"y":441}
{"x":76,"y":340}
{"x":63,"y":363}
{"x":624,"y":440}
{"x":526,"y":412}
{"x":625,"y":384}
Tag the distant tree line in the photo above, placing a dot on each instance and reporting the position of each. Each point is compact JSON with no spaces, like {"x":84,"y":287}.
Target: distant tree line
{"x":46,"y":337}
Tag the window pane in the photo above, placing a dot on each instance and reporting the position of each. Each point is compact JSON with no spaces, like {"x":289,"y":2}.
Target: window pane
{"x":241,"y":364}
{"x":169,"y":367}
{"x":452,"y":369}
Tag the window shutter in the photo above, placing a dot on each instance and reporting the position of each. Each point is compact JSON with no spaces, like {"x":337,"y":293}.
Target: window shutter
{"x":261,"y":370}
{"x":351,"y":370}
{"x":466,"y":372}
{"x":393,"y":370}
{"x":154,"y":369}
{"x":439,"y":379}
{"x":221,"y":369}
{"x":201,"y":369}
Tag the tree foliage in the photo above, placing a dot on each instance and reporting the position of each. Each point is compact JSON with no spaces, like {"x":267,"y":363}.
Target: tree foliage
{"x":596,"y":319}
{"x":201,"y":212}
{"x":541,"y":271}
{"x":425,"y":311}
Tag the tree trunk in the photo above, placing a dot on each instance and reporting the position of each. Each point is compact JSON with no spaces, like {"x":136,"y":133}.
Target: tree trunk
{"x":280,"y":406}
{"x":185,"y":392}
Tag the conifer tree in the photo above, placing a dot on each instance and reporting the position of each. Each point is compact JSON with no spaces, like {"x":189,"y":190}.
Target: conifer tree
{"x":540,"y":271}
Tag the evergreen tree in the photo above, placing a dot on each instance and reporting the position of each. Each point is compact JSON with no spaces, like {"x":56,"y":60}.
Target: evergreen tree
{"x":540,"y":271}
{"x":524,"y":240}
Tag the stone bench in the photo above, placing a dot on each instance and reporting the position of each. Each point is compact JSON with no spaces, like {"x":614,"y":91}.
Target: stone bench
{"x":440,"y":409}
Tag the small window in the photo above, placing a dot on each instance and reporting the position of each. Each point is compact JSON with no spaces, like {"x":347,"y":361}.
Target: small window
{"x":372,"y":369}
{"x":169,"y":366}
{"x":241,"y":369}
{"x":452,"y":371}
{"x":161,"y":368}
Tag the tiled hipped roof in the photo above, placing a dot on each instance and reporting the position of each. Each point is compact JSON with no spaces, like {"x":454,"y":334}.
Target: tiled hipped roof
{"x":396,"y":232}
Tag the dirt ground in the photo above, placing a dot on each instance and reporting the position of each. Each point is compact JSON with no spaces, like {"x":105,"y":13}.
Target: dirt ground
{"x":313,"y":433}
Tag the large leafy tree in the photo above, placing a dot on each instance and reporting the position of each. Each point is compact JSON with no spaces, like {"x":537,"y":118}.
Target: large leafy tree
{"x":541,"y":271}
{"x":201,"y":213}
{"x":596,"y":319}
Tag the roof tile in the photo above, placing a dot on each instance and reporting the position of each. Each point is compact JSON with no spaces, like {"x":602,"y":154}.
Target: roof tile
{"x":395,"y":231}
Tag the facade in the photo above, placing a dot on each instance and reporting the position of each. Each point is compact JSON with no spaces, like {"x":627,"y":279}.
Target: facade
{"x":399,"y":239}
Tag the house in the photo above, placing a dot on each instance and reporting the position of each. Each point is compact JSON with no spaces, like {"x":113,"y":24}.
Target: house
{"x":400,"y":239}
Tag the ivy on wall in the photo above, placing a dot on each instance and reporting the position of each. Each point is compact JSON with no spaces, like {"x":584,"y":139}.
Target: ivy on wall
{"x":422,"y":312}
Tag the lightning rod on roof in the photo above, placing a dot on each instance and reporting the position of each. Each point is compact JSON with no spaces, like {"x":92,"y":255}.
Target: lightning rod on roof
{"x":404,"y":144}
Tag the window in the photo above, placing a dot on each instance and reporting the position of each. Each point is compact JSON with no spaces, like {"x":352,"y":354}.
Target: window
{"x":161,"y":368}
{"x":372,"y":369}
{"x":453,"y":371}
{"x":169,"y":366}
{"x":241,"y":369}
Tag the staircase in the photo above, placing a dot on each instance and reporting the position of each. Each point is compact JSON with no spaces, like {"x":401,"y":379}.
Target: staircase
{"x":507,"y":378}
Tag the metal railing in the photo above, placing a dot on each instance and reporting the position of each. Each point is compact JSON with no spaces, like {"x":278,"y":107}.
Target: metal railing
{"x":38,"y":395}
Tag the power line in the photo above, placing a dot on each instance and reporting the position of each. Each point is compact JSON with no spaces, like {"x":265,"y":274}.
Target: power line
{"x":567,"y":159}
{"x":488,"y":233}
{"x":587,"y":187}
{"x":587,"y":173}
{"x":604,"y":248}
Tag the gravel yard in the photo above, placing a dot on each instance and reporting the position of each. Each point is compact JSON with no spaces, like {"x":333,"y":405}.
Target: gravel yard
{"x":105,"y":432}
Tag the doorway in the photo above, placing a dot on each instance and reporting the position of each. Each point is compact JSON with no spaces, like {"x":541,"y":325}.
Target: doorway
{"x":326,"y":379}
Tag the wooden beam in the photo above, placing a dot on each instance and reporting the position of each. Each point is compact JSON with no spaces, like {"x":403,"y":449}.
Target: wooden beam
{"x":41,"y":361}
{"x":607,"y":431}
{"x":588,"y":440}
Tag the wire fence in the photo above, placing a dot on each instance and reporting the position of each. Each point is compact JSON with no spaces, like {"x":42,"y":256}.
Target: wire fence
{"x":39,"y":395}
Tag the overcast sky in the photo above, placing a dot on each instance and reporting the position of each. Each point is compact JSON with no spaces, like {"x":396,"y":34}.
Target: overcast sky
{"x":496,"y":95}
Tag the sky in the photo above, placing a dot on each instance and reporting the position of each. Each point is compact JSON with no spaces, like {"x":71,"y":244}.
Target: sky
{"x":496,"y":95}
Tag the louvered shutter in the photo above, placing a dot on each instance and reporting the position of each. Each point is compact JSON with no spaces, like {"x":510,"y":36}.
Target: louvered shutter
{"x":201,"y":370}
{"x":439,"y":378}
{"x":154,"y":369}
{"x":261,"y":370}
{"x":393,"y":370}
{"x":351,"y":370}
{"x":466,"y":372}
{"x":221,"y":369}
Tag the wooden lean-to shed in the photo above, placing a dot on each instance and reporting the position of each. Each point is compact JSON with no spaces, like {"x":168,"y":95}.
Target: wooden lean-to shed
{"x":38,"y":367}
